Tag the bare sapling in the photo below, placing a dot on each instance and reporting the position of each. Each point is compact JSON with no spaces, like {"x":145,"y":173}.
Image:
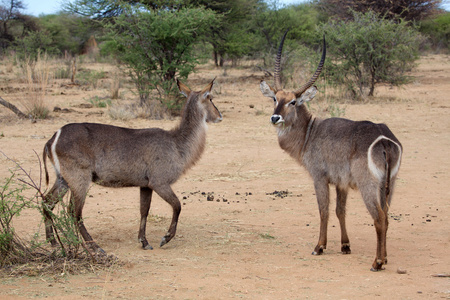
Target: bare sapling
{"x":344,"y":153}
{"x":151,"y":159}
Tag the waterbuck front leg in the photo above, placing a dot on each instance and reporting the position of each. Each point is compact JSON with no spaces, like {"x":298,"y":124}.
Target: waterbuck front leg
{"x":146,"y":199}
{"x":50,"y":200}
{"x":323,"y":201}
{"x":79,"y":192}
{"x":341,"y":202}
{"x":169,"y":196}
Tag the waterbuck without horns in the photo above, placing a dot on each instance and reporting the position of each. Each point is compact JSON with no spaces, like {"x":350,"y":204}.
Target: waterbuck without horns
{"x":345,"y":153}
{"x":151,"y":159}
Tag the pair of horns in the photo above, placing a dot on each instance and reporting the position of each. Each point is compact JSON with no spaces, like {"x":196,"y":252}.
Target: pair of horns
{"x":313,"y":78}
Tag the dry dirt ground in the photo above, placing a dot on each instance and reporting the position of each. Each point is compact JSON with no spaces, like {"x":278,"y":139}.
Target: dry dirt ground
{"x":249,"y":242}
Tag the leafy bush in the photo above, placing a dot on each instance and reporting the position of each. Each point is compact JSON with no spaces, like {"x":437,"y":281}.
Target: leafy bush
{"x":438,"y":31}
{"x":12,"y":202}
{"x":100,"y":102}
{"x":68,"y":33}
{"x":90,"y":77}
{"x":368,"y":51}
{"x":273,"y":21}
{"x":36,"y":42}
{"x":157,"y":45}
{"x":71,"y":256}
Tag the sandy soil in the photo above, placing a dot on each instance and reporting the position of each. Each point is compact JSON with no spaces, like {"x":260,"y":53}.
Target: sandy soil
{"x":249,"y":242}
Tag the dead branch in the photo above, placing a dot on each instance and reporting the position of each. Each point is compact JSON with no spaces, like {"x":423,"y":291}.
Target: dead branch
{"x":13,"y":108}
{"x":266,"y":72}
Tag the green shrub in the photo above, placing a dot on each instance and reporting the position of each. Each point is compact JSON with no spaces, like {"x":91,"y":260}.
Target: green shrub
{"x":100,"y":102}
{"x":15,"y":253}
{"x":370,"y":50}
{"x":12,"y":203}
{"x":438,"y":31}
{"x":156,"y":45}
{"x":90,"y":77}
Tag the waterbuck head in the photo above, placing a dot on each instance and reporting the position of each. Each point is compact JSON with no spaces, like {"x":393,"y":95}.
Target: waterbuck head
{"x":288,"y":104}
{"x":204,"y":100}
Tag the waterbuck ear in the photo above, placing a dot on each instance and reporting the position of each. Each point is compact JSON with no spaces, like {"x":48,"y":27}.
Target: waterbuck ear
{"x":267,"y":90}
{"x":307,"y":95}
{"x":184,"y":89}
{"x":207,"y":90}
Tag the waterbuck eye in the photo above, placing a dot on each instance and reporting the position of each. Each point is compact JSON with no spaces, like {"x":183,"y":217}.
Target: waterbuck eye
{"x":292,"y":102}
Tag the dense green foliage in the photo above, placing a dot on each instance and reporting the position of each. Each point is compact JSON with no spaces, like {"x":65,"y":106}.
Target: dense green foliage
{"x":234,"y":36}
{"x":370,"y":50}
{"x":156,"y":41}
{"x":157,"y":45}
{"x":409,"y":10}
{"x":438,"y":31}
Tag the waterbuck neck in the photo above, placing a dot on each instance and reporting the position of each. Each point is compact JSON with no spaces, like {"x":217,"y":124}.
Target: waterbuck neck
{"x":294,"y":139}
{"x":190,"y":135}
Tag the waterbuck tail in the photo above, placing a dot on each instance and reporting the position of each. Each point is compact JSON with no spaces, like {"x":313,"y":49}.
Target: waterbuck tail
{"x":44,"y":158}
{"x":386,"y":184}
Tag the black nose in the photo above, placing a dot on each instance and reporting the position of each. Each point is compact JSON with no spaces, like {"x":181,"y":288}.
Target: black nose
{"x":274,"y":119}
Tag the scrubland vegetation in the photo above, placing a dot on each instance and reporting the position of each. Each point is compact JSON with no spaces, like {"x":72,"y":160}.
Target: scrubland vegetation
{"x":144,"y":46}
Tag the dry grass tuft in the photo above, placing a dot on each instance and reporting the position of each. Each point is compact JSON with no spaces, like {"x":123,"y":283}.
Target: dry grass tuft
{"x":154,"y":110}
{"x":37,"y":78}
{"x":45,"y":264}
{"x":9,"y":67}
{"x":114,"y":85}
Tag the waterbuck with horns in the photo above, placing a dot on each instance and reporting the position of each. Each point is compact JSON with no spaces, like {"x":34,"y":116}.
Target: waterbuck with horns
{"x":151,"y":159}
{"x":341,"y":152}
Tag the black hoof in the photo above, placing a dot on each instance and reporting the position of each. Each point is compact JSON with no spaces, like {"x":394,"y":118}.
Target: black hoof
{"x":100,"y":251}
{"x":148,"y":247}
{"x":145,"y":244}
{"x":377,"y":266}
{"x":317,"y":251}
{"x":346,"y":249}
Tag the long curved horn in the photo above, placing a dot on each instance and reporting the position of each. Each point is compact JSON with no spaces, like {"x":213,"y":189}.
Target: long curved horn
{"x":278,"y":64}
{"x":316,"y":74}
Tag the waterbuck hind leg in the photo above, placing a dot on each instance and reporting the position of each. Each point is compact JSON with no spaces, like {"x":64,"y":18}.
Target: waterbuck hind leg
{"x":379,"y":216}
{"x":166,"y":193}
{"x":380,"y":227}
{"x":341,"y":202}
{"x":389,"y":198}
{"x":145,"y":201}
{"x":56,"y":194}
{"x":323,"y":201}
{"x":385,"y":240}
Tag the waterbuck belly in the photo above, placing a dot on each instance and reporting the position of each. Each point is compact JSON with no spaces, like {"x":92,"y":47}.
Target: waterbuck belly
{"x":119,"y":179}
{"x":340,"y":176}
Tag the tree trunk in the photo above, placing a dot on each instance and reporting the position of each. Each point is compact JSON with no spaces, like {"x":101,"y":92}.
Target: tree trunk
{"x":13,"y":108}
{"x":371,"y":90}
{"x":216,"y":58}
{"x":372,"y":85}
